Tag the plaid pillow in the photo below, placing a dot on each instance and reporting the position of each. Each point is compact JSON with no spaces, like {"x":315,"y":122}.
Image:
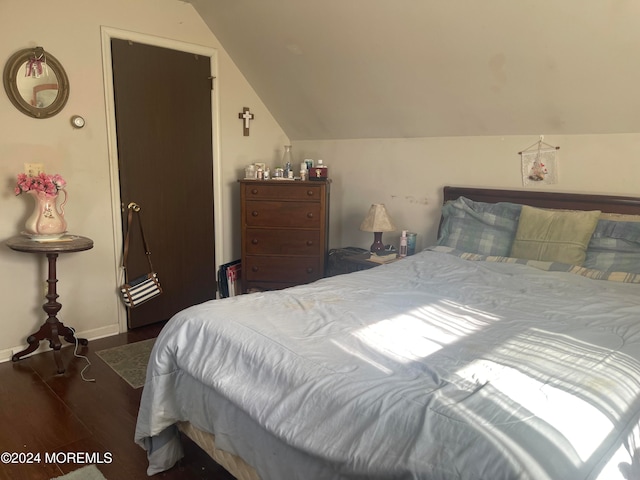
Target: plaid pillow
{"x":478,"y":227}
{"x":614,"y":247}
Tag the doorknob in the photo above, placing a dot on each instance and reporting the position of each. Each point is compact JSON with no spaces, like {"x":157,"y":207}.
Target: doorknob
{"x":134,"y":206}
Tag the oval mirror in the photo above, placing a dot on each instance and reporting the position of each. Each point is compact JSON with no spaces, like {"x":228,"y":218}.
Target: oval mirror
{"x":36,"y":83}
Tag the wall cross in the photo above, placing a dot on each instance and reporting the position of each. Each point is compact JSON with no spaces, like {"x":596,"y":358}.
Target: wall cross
{"x":246,"y":116}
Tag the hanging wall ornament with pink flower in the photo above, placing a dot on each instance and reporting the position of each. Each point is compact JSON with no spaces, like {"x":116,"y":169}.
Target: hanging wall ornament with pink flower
{"x":539,"y":164}
{"x":47,"y":219}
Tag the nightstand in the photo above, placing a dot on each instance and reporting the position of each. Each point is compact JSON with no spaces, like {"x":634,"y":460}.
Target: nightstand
{"x":347,"y":260}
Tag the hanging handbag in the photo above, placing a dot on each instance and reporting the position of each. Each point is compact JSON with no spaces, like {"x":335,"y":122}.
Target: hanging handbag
{"x":146,"y":287}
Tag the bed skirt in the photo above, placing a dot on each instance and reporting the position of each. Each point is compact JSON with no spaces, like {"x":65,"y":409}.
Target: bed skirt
{"x":235,"y":465}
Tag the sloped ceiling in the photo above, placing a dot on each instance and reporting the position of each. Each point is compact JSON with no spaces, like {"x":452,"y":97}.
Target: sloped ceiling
{"x":337,"y":69}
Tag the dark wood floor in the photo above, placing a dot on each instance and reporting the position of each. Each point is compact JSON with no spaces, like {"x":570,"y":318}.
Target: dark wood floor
{"x":41,"y":411}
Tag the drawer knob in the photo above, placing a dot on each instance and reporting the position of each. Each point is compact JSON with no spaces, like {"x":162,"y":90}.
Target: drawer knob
{"x":310,"y":215}
{"x":309,"y":243}
{"x":310,"y":193}
{"x":254,"y":191}
{"x":254,"y":269}
{"x":309,"y":270}
{"x":254,"y":213}
{"x":254,"y":241}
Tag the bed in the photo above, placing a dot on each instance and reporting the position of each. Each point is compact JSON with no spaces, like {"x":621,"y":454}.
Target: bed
{"x":508,"y":350}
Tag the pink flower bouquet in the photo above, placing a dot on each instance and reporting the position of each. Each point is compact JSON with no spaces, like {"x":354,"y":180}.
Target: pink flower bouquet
{"x":48,"y":184}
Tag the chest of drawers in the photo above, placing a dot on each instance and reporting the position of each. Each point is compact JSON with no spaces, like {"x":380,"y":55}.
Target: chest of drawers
{"x":285,"y":227}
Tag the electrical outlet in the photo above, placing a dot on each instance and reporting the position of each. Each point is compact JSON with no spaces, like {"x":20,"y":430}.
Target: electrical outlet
{"x":33,"y":169}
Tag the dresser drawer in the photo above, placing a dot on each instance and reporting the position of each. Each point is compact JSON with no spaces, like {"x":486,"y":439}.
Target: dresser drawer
{"x":302,"y":191}
{"x":282,"y":242}
{"x":282,"y":214}
{"x":283,"y":269}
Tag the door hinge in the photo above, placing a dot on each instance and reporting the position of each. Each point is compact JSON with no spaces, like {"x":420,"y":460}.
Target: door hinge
{"x":211,"y":79}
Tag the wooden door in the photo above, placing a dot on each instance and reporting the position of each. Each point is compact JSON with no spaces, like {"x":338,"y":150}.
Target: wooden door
{"x":165,"y":160}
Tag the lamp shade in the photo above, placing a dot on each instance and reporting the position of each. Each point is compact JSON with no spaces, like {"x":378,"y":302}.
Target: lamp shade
{"x":377,"y":220}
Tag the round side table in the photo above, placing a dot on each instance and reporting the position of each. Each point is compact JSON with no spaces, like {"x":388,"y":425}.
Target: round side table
{"x":53,"y":328}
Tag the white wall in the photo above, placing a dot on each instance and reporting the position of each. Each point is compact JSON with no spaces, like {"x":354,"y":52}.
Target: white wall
{"x":70,"y":30}
{"x":408,"y":175}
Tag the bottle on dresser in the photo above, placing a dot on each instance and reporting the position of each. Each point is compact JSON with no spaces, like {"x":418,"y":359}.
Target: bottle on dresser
{"x":287,"y":161}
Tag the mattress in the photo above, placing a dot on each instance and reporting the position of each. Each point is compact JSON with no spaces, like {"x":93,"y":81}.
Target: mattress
{"x":433,"y":367}
{"x":207,"y":442}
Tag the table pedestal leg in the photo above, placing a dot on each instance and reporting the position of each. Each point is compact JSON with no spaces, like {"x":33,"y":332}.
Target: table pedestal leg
{"x":53,"y":328}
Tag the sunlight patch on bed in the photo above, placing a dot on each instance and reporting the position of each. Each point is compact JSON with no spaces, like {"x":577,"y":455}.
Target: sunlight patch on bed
{"x":583,"y":425}
{"x":356,"y":353}
{"x":422,"y":331}
{"x":584,"y":363}
{"x":559,"y":380}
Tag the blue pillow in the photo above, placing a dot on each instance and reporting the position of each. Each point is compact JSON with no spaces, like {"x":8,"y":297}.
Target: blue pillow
{"x":614,"y":247}
{"x":478,"y":227}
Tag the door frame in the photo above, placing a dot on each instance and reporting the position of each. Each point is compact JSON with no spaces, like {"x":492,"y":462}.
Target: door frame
{"x":107,"y":33}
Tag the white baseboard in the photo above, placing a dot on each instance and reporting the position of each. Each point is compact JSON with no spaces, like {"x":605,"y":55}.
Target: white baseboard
{"x":95,"y":334}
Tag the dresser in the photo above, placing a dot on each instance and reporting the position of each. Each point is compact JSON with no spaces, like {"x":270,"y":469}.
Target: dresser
{"x":285,"y":228}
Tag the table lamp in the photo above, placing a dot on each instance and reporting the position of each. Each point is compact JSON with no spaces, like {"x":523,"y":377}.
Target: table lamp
{"x":377,"y":221}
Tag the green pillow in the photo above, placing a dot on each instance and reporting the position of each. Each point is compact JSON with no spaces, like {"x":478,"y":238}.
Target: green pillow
{"x":554,"y":235}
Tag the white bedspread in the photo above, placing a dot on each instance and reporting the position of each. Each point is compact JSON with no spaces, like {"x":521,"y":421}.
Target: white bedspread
{"x":432,"y":367}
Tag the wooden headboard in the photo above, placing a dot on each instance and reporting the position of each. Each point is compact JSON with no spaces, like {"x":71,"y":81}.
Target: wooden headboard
{"x":569,"y":201}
